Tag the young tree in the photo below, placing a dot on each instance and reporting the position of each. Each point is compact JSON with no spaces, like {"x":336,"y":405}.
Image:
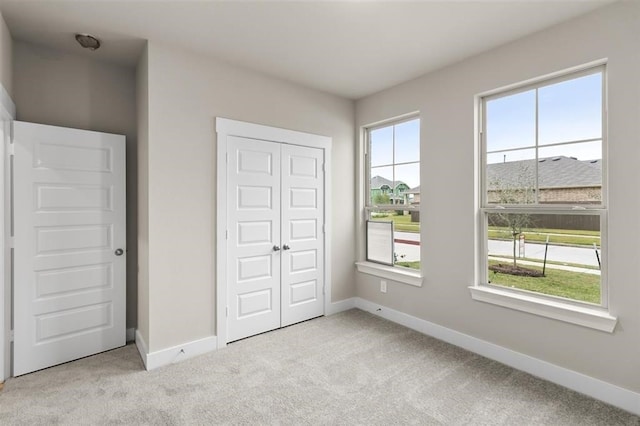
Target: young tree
{"x":381,"y":198}
{"x":513,"y":188}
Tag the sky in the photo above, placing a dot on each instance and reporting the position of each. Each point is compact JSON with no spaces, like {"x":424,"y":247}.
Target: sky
{"x":567,"y":111}
{"x":407,"y":150}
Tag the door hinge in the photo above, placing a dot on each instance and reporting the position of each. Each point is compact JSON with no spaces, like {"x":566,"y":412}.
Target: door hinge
{"x":12,"y":242}
{"x":323,"y":168}
{"x":324,"y":228}
{"x":11,"y":149}
{"x":226,"y":311}
{"x":11,"y":336}
{"x":226,"y":235}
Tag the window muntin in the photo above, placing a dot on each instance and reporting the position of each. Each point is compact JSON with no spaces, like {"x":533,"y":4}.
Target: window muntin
{"x":393,"y":185}
{"x":542,"y":157}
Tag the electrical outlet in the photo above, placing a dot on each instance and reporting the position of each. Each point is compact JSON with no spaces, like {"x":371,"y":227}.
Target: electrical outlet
{"x":383,"y":286}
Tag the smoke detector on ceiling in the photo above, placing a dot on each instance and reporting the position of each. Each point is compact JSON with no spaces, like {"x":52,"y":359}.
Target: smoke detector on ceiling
{"x":88,"y":41}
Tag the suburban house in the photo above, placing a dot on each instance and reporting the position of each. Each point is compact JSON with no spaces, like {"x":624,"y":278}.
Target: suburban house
{"x":395,"y":191}
{"x":561,"y":179}
{"x":188,"y":189}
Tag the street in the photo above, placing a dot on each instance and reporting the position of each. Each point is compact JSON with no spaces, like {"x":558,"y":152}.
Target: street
{"x":583,"y":256}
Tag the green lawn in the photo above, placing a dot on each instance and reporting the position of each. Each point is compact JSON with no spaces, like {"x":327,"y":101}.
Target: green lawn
{"x":572,"y":285}
{"x":412,"y":265}
{"x":556,"y":236}
{"x":401,"y":222}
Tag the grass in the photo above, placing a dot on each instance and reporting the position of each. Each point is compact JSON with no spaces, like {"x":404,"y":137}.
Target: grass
{"x":412,"y":265}
{"x":571,"y":285}
{"x":556,"y":236}
{"x":402,"y":222}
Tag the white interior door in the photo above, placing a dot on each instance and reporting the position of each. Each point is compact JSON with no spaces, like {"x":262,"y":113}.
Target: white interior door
{"x":253,"y":237}
{"x":69,"y":227}
{"x":275,"y":242}
{"x":302,"y":234}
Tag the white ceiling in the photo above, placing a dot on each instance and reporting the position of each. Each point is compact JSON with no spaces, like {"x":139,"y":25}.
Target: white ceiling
{"x":349,"y":48}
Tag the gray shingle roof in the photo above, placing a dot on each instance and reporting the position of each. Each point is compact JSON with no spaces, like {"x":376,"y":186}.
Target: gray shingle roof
{"x":553,"y":172}
{"x":378,"y":181}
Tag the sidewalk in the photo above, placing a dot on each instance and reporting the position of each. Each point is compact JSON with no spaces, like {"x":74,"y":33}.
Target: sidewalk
{"x":549,"y":265}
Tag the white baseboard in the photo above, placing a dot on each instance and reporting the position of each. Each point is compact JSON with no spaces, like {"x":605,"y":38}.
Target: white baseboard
{"x":174,"y":354}
{"x":341,"y":306}
{"x":142,"y":348}
{"x":131,"y":335}
{"x":595,"y":388}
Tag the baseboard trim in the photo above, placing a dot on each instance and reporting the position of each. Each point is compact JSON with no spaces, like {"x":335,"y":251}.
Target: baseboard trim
{"x":595,"y":388}
{"x":131,"y":335}
{"x":174,"y":354}
{"x":142,"y":348}
{"x":340,"y":306}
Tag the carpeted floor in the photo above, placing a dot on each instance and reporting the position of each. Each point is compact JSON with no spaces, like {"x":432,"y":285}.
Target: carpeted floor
{"x":351,"y":368}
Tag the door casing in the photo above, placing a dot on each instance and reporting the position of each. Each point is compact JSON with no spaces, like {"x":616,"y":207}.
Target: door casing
{"x":224,"y":128}
{"x":7,"y":115}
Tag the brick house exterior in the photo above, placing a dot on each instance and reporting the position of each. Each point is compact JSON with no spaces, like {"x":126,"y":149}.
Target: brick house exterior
{"x":560,"y":180}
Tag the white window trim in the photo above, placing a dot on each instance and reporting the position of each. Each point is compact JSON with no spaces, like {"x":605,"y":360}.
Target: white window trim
{"x":393,"y":273}
{"x":575,"y":312}
{"x":596,"y":317}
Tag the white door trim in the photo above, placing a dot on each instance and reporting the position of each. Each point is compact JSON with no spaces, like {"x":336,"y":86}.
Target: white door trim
{"x":7,"y":115}
{"x":224,"y":128}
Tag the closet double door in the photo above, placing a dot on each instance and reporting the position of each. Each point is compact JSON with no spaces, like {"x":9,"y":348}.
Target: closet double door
{"x":275,"y":241}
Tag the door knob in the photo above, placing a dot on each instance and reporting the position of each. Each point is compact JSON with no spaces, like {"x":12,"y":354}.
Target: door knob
{"x":285,"y":247}
{"x":119,"y":252}
{"x":276,"y":248}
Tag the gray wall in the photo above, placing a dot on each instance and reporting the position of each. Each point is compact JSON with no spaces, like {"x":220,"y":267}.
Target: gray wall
{"x":142,"y":105}
{"x":68,"y":90}
{"x":185,"y":93}
{"x":6,"y":57}
{"x":446,"y":101}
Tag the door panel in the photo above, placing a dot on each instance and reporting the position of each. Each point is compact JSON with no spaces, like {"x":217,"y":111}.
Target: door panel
{"x":302,"y":222}
{"x":69,"y":215}
{"x":253,"y":226}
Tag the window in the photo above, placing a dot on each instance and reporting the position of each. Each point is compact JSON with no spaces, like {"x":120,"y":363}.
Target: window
{"x":393,"y":185}
{"x":543,"y":191}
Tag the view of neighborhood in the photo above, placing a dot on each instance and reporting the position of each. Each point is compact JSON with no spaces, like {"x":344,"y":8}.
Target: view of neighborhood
{"x":569,"y":243}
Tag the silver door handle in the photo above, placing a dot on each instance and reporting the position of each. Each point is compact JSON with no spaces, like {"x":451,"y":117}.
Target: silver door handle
{"x":119,"y":252}
{"x":285,"y":247}
{"x":276,"y":248}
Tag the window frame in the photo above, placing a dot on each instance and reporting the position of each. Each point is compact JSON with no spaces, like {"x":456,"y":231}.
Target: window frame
{"x":395,"y":273}
{"x":482,"y":288}
{"x":368,"y":205}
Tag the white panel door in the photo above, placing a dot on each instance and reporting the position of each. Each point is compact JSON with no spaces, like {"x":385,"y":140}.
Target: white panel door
{"x":253,"y":237}
{"x":69,"y":227}
{"x":302,"y":234}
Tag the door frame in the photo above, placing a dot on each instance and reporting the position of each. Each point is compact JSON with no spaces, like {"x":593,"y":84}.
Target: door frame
{"x":225,"y":128}
{"x":7,"y":115}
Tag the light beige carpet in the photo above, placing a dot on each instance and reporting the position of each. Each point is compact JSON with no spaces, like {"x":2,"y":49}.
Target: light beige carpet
{"x":351,"y":368}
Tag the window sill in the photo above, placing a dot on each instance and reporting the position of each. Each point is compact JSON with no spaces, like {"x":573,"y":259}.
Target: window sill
{"x":581,"y":315}
{"x":390,"y":273}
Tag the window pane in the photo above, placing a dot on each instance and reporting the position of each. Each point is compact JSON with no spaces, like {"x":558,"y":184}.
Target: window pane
{"x":570,"y":110}
{"x":407,"y":144}
{"x":511,"y":121}
{"x":406,"y":233}
{"x":570,"y":173}
{"x":513,"y":181}
{"x":381,"y":146}
{"x":381,"y":185}
{"x":517,"y":248}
